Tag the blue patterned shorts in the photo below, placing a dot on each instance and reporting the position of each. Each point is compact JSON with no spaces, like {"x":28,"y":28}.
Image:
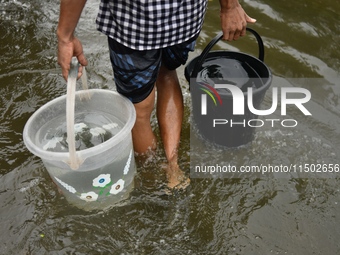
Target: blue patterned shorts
{"x":136,"y":71}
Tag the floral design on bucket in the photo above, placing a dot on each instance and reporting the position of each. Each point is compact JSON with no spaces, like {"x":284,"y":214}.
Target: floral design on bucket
{"x":101,"y":182}
{"x":117,"y":187}
{"x":66,"y":186}
{"x":127,"y":166}
{"x":89,"y":196}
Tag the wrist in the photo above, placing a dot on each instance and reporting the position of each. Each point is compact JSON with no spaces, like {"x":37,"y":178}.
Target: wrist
{"x":64,"y":36}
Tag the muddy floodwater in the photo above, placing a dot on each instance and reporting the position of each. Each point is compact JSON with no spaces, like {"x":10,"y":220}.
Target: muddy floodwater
{"x":216,"y":214}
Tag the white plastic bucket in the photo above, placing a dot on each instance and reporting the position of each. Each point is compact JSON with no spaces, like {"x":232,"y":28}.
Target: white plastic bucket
{"x":106,"y":173}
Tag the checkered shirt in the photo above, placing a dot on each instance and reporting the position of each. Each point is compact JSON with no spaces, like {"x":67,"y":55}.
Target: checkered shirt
{"x":151,"y":24}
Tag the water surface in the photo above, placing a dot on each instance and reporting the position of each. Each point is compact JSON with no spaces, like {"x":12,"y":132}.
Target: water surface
{"x":265,"y":215}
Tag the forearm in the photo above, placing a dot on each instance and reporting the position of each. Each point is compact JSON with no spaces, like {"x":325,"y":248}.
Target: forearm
{"x":70,"y":11}
{"x":228,"y":4}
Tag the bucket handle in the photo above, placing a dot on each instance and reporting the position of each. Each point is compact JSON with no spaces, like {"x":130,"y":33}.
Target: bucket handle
{"x":74,"y":160}
{"x":207,"y":49}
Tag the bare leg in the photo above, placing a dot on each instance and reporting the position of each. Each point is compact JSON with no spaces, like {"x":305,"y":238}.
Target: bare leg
{"x":169,"y":111}
{"x":143,"y":137}
{"x":170,"y":117}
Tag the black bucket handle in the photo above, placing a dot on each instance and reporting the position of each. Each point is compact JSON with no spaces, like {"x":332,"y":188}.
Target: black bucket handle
{"x":207,"y":49}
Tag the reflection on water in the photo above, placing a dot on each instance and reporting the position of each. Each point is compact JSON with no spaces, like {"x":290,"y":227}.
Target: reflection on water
{"x":213,"y":216}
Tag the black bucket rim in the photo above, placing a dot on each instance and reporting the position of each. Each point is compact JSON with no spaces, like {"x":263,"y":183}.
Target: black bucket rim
{"x":190,"y":71}
{"x":190,"y":66}
{"x":216,"y":39}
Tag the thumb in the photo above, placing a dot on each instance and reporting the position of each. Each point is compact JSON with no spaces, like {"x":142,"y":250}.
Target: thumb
{"x":82,"y":60}
{"x":249,"y":19}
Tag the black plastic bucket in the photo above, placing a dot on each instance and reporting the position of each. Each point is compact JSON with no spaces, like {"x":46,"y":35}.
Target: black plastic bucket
{"x":216,"y":120}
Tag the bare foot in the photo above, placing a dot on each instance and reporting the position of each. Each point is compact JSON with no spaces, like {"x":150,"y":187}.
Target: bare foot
{"x":146,"y":157}
{"x":176,"y":177}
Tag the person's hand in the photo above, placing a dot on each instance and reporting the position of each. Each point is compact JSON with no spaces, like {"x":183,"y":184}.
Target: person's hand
{"x":67,"y":50}
{"x":234,"y":22}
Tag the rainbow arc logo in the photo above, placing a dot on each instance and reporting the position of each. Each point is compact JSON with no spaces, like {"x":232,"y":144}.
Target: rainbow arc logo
{"x":212,"y":92}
